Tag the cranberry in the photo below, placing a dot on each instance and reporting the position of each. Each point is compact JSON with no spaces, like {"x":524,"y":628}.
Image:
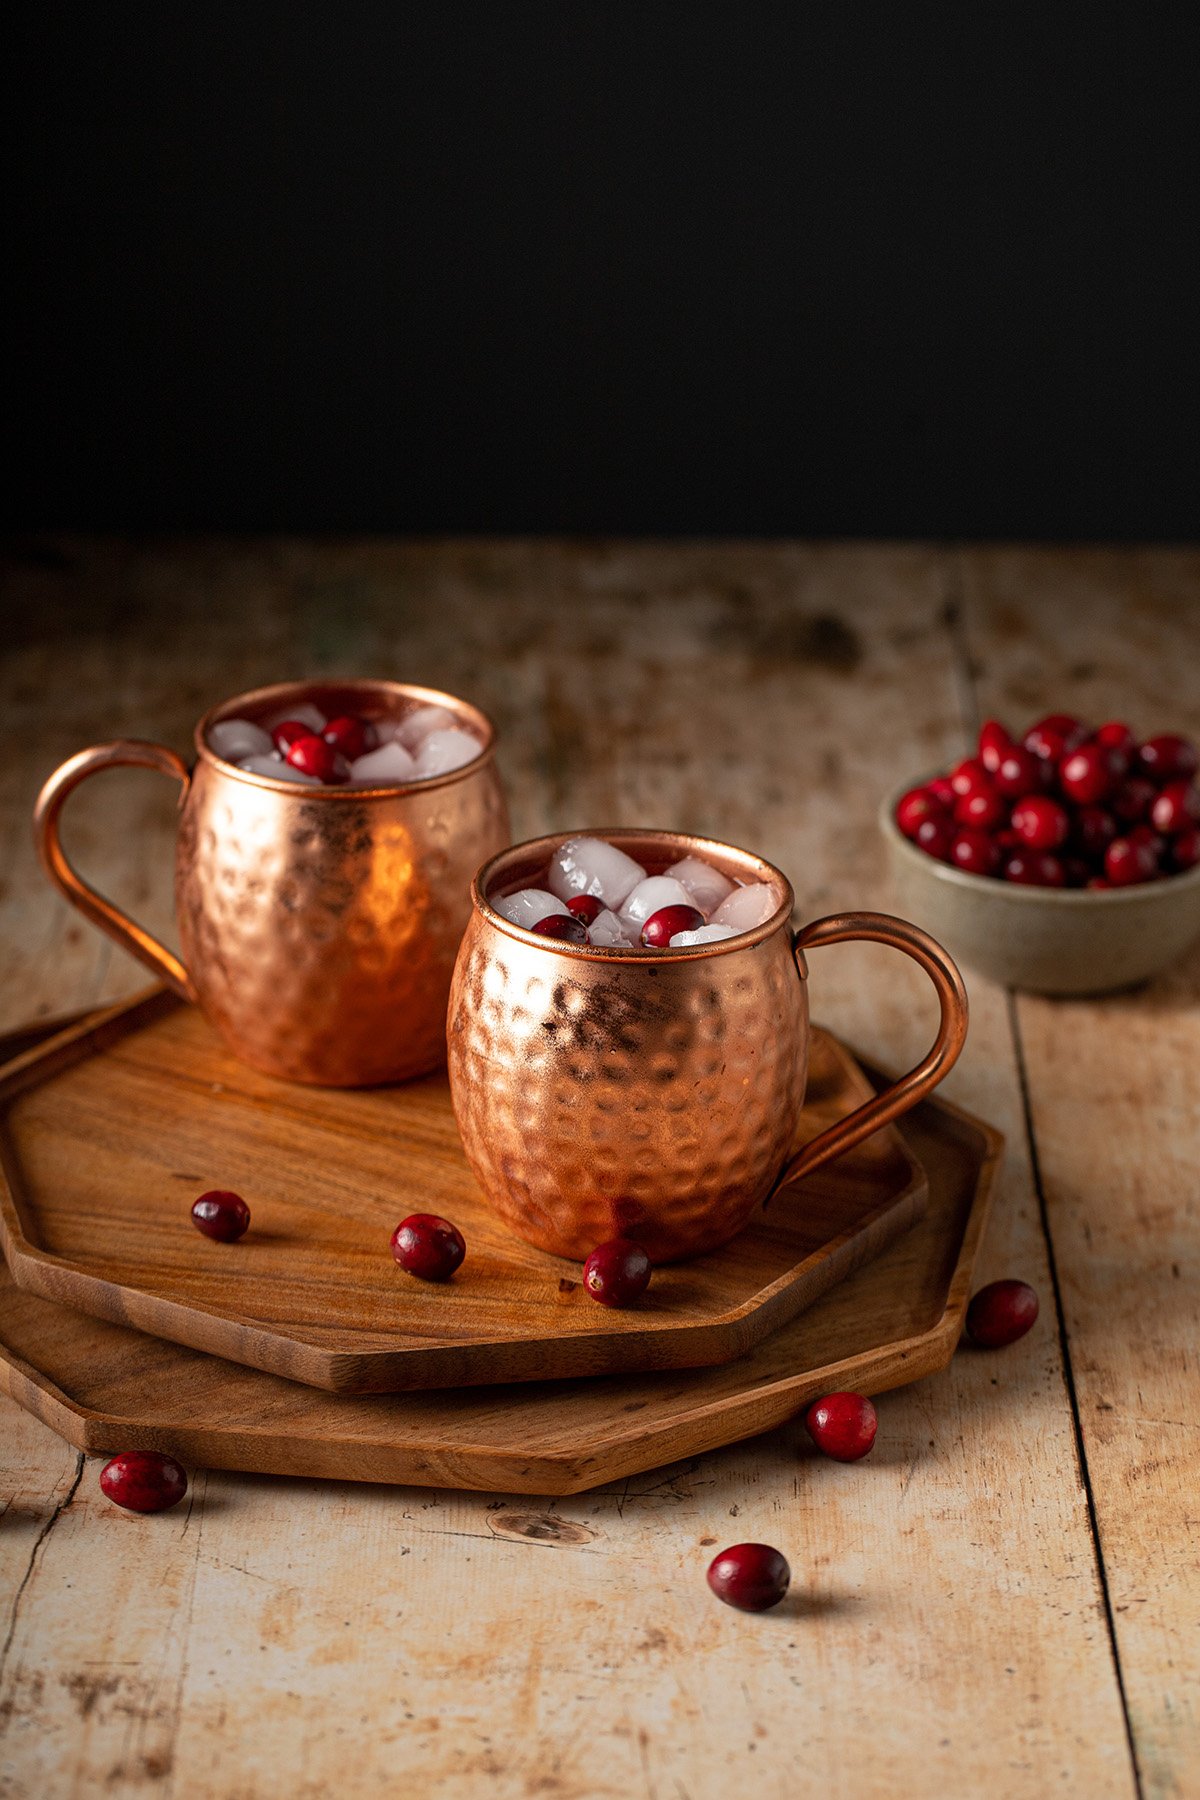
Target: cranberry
{"x":1019,"y":772}
{"x":1054,"y":737}
{"x":1094,"y":830}
{"x":563,"y":926}
{"x":1176,"y":809}
{"x":970,"y":777}
{"x":1040,"y":822}
{"x":942,"y":789}
{"x":1185,"y":851}
{"x":1001,"y":1313}
{"x":1168,"y":758}
{"x":585,"y":907}
{"x":144,"y":1481}
{"x":842,"y":1426}
{"x":1066,"y":723}
{"x":935,"y":837}
{"x":1116,"y":735}
{"x":662,"y":926}
{"x":1146,"y":834}
{"x":974,"y":852}
{"x":917,"y":806}
{"x":1126,"y":862}
{"x":751,"y":1577}
{"x":286,"y":734}
{"x":1077,"y":871}
{"x":1133,"y":799}
{"x":617,"y":1273}
{"x":982,"y":812}
{"x":427,"y":1246}
{"x":993,"y":742}
{"x":351,"y":736}
{"x":1035,"y":868}
{"x":1088,"y":774}
{"x":1098,"y":882}
{"x":313,"y":756}
{"x":221,"y":1215}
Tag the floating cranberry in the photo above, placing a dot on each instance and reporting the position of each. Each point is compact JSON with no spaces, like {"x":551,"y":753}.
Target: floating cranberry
{"x":1054,"y":737}
{"x":1001,"y":1313}
{"x":1132,"y":800}
{"x":752,"y":1577}
{"x":916,"y":806}
{"x":1019,"y":772}
{"x":1185,"y":850}
{"x":221,"y":1215}
{"x":663,"y":925}
{"x":1127,"y":862}
{"x":970,"y":777}
{"x":1035,"y":868}
{"x":974,"y":852}
{"x":617,"y":1273}
{"x":352,"y":737}
{"x":284,"y":735}
{"x":564,"y":926}
{"x":1040,"y":822}
{"x":427,"y":1246}
{"x":144,"y":1481}
{"x":1168,"y":757}
{"x":1116,"y":735}
{"x":935,"y":837}
{"x":982,"y":812}
{"x":1176,"y":809}
{"x":842,"y":1426}
{"x":1088,"y":774}
{"x":585,"y":907}
{"x":313,"y":756}
{"x":1094,"y":830}
{"x":993,"y":742}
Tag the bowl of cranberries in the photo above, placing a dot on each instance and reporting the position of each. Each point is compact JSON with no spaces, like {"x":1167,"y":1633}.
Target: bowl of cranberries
{"x":1063,"y":861}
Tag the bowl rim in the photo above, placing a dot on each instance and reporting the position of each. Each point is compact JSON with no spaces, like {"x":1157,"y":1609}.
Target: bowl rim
{"x":1144,"y":893}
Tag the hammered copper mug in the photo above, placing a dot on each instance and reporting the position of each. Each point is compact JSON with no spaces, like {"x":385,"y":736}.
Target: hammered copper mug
{"x":646,"y":1094}
{"x":319,"y":925}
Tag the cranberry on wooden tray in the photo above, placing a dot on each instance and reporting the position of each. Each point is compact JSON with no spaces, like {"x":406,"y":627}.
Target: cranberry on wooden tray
{"x":425,"y":1245}
{"x":842,"y":1426}
{"x":221,"y":1215}
{"x":1001,"y":1313}
{"x":144,"y":1481}
{"x":752,"y":1577}
{"x":617,"y":1273}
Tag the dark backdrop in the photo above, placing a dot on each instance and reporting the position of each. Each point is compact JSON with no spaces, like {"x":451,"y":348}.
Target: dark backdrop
{"x":736,"y":268}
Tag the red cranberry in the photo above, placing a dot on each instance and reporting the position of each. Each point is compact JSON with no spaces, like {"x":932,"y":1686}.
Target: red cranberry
{"x":1064,"y":722}
{"x":662,"y":926}
{"x":617,"y":1273}
{"x":935,"y":837}
{"x":1116,"y":735}
{"x":1088,"y":774}
{"x":993,"y":742}
{"x":144,"y":1481}
{"x":842,"y":1426}
{"x":1098,"y":882}
{"x":313,"y":756}
{"x":970,"y":777}
{"x":1127,"y":862}
{"x":915,"y":807}
{"x":286,"y":734}
{"x":1176,"y":809}
{"x":221,"y":1215}
{"x":1146,"y":834}
{"x":1077,"y":871}
{"x":1054,"y":737}
{"x":1019,"y":772}
{"x":563,"y":926}
{"x":751,"y":1577}
{"x":1133,"y":799}
{"x":982,"y":812}
{"x":1185,"y":851}
{"x":975,"y":853}
{"x":1040,"y":822}
{"x":942,"y":789}
{"x":351,"y":736}
{"x":1001,"y":1313}
{"x":1035,"y":868}
{"x":1168,"y":757}
{"x":1094,"y":830}
{"x":585,"y":907}
{"x":427,"y":1246}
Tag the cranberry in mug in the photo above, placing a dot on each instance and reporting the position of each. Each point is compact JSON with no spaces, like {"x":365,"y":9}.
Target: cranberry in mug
{"x":413,"y":740}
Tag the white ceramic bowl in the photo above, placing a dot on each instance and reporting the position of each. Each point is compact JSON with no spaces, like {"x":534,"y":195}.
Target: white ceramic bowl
{"x":1043,"y":940}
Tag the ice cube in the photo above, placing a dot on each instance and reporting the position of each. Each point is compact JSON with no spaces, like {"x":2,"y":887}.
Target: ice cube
{"x":588,"y":865}
{"x":707,"y":886}
{"x":236,"y":739}
{"x":304,"y":713}
{"x":443,"y":751}
{"x":417,"y":726}
{"x":389,"y":766}
{"x":650,"y":896}
{"x":528,"y":906}
{"x":747,"y":906}
{"x":607,"y":930}
{"x":703,"y":934}
{"x":275,"y":765}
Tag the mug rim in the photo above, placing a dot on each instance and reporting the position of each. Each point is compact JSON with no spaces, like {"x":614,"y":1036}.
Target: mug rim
{"x":466,"y":710}
{"x":623,"y":836}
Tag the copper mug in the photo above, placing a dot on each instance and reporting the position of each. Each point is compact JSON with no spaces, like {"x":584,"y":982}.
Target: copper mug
{"x":319,"y":925}
{"x":647,"y":1094}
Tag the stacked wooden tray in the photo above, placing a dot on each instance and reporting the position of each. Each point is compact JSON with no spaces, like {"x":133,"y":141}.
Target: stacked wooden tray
{"x":303,"y":1349}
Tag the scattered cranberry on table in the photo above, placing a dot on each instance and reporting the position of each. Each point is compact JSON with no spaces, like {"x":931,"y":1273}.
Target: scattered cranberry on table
{"x":842,"y":1426}
{"x":568,"y":927}
{"x":667,"y":922}
{"x":429,"y":1247}
{"x":1066,"y":806}
{"x":617,"y":1273}
{"x":221,"y":1215}
{"x":752,"y":1577}
{"x":1001,"y":1313}
{"x":144,"y":1481}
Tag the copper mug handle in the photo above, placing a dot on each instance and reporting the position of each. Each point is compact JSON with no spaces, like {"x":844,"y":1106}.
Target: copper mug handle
{"x":124,"y":753}
{"x":881,"y":928}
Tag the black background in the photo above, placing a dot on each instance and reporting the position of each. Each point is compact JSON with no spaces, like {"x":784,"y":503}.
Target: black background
{"x":740,"y":268}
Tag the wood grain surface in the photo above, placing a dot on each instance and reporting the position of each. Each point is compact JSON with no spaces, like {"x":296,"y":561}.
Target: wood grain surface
{"x":1001,"y":1601}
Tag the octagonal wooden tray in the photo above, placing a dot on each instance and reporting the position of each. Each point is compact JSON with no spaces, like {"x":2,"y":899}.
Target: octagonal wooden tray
{"x":106,"y":1388}
{"x":110,"y":1129}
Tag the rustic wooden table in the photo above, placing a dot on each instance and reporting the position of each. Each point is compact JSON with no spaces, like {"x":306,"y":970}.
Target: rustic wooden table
{"x":1004,"y":1599}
